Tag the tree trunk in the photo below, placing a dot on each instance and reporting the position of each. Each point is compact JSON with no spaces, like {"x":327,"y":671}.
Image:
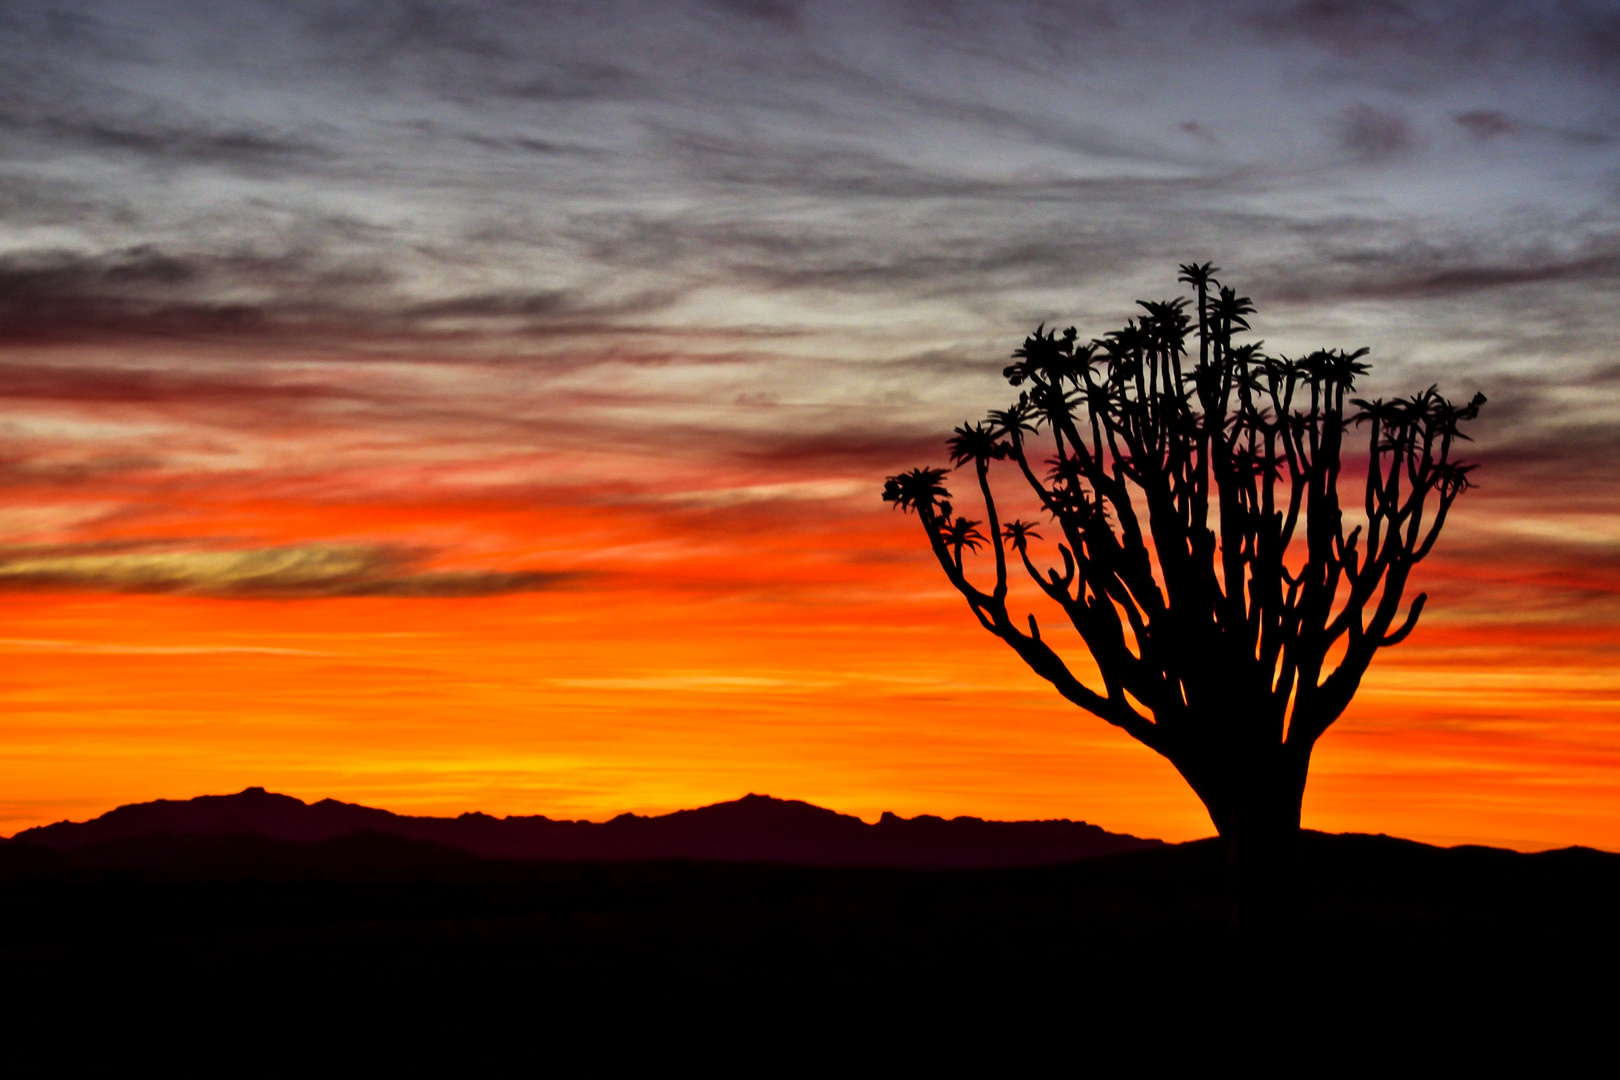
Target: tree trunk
{"x":1256,"y":812}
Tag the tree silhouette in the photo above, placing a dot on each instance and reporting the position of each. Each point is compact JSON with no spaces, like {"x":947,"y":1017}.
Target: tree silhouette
{"x":1176,"y":486}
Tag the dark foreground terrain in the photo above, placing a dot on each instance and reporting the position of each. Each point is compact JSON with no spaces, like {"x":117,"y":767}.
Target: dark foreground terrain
{"x":268,"y":951}
{"x":755,"y":828}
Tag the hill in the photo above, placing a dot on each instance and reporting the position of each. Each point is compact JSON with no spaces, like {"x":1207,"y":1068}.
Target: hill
{"x":205,"y":947}
{"x":756,"y":828}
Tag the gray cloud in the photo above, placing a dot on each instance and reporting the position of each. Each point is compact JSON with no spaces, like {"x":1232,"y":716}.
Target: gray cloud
{"x":1450,"y":33}
{"x":242,"y":148}
{"x":1485,"y":123}
{"x":1375,"y":134}
{"x":1389,"y":276}
{"x":63,"y":295}
{"x":773,"y":152}
{"x":673,"y":224}
{"x":300,"y":291}
{"x":1360,"y":257}
{"x":31,"y":202}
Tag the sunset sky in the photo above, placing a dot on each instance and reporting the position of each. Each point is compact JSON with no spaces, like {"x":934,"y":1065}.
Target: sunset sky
{"x":476,"y":406}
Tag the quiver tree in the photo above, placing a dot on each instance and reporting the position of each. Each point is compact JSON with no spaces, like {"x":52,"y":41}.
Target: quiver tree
{"x":1193,"y":497}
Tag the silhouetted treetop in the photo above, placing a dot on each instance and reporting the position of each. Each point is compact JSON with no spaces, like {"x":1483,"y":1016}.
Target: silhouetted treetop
{"x":1192,"y":486}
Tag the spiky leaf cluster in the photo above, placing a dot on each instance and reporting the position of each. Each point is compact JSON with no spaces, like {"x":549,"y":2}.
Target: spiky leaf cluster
{"x":1192,"y":484}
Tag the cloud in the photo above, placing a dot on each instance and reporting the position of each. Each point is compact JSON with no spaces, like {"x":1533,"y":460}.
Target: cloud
{"x":546,"y":310}
{"x":554,"y":174}
{"x":872,"y":450}
{"x":245,"y":149}
{"x":302,"y":291}
{"x":782,"y":12}
{"x":94,"y":383}
{"x":1375,"y":134}
{"x":524,"y":144}
{"x":1362,"y":260}
{"x":292,"y":572}
{"x":790,"y":240}
{"x":1492,"y":566}
{"x":572,"y":82}
{"x":1347,"y":24}
{"x":1485,"y":123}
{"x":1438,"y":281}
{"x":1438,"y":37}
{"x":30,"y":201}
{"x":148,"y":290}
{"x":1531,"y":455}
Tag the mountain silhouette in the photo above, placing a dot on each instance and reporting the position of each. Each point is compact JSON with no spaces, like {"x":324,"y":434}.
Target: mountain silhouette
{"x":261,"y":931}
{"x":755,"y":828}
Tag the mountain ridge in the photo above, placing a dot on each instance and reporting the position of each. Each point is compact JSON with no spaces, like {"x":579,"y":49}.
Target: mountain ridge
{"x":754,"y":828}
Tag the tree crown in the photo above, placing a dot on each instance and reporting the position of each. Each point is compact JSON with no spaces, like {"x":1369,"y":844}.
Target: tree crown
{"x":1176,"y":481}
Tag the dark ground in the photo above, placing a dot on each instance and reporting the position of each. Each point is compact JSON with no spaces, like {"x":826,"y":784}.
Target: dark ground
{"x":179,"y":948}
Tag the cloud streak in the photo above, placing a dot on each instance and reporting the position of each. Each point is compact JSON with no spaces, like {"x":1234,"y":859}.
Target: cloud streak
{"x":298,"y":572}
{"x":700,"y":247}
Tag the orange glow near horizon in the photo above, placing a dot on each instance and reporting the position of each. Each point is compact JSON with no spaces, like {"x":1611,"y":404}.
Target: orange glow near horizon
{"x":825,"y":661}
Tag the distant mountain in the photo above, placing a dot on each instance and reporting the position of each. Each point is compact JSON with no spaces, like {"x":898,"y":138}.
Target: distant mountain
{"x":755,"y":828}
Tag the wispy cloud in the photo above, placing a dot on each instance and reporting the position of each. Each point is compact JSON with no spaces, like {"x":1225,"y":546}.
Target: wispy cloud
{"x":295,"y":572}
{"x":749,"y":247}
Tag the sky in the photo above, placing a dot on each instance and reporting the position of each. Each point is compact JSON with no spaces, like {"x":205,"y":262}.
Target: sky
{"x":482,"y":406}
